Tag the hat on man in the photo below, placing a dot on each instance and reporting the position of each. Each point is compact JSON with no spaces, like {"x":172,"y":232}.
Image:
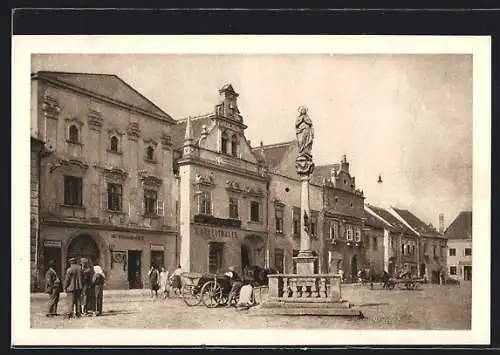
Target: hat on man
{"x":72,"y":260}
{"x":52,"y":263}
{"x":231,"y":268}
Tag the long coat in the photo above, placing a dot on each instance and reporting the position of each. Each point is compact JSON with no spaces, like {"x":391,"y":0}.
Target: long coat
{"x":73,"y":279}
{"x":52,"y":281}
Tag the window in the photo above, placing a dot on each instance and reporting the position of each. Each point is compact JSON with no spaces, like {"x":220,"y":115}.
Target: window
{"x":296,"y":222}
{"x":215,"y":255}
{"x":358,"y":234}
{"x":223,"y":143}
{"x":233,"y":207}
{"x":73,"y":134}
{"x":205,"y":203}
{"x":391,"y":240}
{"x":453,"y":251}
{"x":150,"y":202}
{"x":412,"y":249}
{"x":468,"y":252}
{"x":279,"y":220}
{"x":453,"y":270}
{"x":113,"y":144}
{"x":150,"y":153}
{"x":334,"y":230}
{"x":349,"y":232}
{"x":425,"y":248}
{"x":234,"y":145}
{"x":434,"y":250}
{"x":279,"y":260}
{"x":114,"y":197}
{"x":441,"y":251}
{"x":72,"y":190}
{"x":374,"y":243}
{"x":254,"y":211}
{"x":402,"y":249}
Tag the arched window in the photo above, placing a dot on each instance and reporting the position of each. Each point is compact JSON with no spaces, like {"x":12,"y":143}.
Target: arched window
{"x":114,"y":144}
{"x":223,"y":142}
{"x":234,"y":145}
{"x":73,"y":134}
{"x":150,"y":153}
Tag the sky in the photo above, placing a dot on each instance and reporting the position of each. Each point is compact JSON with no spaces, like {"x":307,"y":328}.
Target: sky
{"x":405,"y":117}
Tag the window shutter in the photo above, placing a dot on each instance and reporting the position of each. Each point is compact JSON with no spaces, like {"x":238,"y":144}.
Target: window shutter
{"x":160,"y":208}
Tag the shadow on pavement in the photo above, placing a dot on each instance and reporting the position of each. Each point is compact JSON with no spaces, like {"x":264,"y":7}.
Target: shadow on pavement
{"x":372,"y":304}
{"x":116,"y":312}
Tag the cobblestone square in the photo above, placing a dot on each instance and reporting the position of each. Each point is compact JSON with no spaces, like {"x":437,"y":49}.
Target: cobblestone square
{"x":432,"y":307}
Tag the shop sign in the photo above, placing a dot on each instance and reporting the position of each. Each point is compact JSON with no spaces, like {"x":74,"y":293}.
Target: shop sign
{"x":128,"y":237}
{"x":157,"y":247}
{"x":215,"y":233}
{"x":52,"y":243}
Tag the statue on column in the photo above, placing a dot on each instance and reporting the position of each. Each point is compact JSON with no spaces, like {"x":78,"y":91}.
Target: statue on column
{"x":305,"y":135}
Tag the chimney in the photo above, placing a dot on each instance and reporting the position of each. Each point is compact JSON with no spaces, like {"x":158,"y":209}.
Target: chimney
{"x":441,"y":223}
{"x":249,"y":142}
{"x":344,"y":164}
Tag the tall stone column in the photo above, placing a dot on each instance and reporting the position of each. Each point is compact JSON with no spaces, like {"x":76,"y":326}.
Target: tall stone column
{"x":305,"y":166}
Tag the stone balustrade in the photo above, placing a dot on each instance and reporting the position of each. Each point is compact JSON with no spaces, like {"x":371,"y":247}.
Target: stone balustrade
{"x":310,"y":288}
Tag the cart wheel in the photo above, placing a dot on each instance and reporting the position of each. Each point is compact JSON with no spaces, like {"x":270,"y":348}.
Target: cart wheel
{"x":190,"y":296}
{"x":211,"y":294}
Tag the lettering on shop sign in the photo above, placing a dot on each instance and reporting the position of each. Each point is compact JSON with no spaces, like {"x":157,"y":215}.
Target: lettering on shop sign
{"x":215,"y":233}
{"x":129,"y":237}
{"x":52,"y":243}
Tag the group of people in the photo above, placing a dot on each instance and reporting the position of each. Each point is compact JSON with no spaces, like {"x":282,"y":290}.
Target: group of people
{"x":83,"y":284}
{"x":164,"y":282}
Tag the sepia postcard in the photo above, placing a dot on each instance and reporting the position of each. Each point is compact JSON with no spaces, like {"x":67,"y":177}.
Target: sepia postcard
{"x":251,"y":190}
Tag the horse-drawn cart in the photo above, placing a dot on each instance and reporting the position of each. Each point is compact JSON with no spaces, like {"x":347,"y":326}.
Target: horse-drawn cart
{"x":210,"y":289}
{"x":390,"y":283}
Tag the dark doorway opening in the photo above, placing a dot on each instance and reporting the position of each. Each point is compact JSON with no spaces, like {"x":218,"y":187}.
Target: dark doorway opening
{"x":468,"y":273}
{"x":354,"y":268}
{"x":295,"y":253}
{"x":245,"y":257}
{"x":435,"y":277}
{"x":422,"y":270}
{"x":158,"y":259}
{"x":134,"y":269}
{"x":84,"y":246}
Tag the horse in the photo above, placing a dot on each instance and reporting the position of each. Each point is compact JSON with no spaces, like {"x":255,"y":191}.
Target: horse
{"x":257,"y":275}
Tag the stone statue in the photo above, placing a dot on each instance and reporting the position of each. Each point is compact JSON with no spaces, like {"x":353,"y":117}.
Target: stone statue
{"x":305,"y":132}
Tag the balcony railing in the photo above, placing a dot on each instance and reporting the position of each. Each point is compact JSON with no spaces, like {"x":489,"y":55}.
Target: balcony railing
{"x":220,"y":222}
{"x":293,"y":287}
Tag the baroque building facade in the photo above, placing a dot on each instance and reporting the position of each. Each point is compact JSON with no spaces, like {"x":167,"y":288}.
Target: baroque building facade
{"x":106,"y":179}
{"x":459,"y":236}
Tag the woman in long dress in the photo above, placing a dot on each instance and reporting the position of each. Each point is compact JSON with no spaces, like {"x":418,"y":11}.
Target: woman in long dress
{"x":164,"y":275}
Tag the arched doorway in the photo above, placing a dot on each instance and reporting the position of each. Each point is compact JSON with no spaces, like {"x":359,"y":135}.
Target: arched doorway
{"x":354,"y":267}
{"x":84,"y":246}
{"x":252,"y":251}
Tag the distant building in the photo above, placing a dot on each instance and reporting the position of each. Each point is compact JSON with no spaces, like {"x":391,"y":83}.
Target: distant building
{"x":401,"y":238}
{"x":106,"y":178}
{"x":432,"y":247}
{"x":459,"y":234}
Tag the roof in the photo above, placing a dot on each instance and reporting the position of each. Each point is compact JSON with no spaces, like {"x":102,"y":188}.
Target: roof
{"x":387,"y":216}
{"x":107,"y":85}
{"x":461,"y":227}
{"x":274,"y":153}
{"x":321,"y":172}
{"x":179,"y":129}
{"x":416,"y":223}
{"x":372,"y":221}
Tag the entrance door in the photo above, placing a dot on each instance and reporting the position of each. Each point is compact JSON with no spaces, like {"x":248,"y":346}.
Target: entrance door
{"x":245,"y":257}
{"x":52,"y":253}
{"x":392,"y":266}
{"x":134,"y":269}
{"x":84,"y":246}
{"x":354,"y":268}
{"x":422,"y":270}
{"x":468,"y":273}
{"x":435,"y":277}
{"x":157,"y":258}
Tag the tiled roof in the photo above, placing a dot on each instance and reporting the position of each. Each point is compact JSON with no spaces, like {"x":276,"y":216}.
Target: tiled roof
{"x":461,"y":227}
{"x":107,"y":85}
{"x":321,"y":172}
{"x":372,"y":221}
{"x":416,"y":223}
{"x":179,"y":129}
{"x":274,"y":153}
{"x":396,"y":223}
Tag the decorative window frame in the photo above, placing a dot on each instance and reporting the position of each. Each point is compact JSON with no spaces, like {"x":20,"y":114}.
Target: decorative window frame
{"x":279,"y":206}
{"x":114,"y":132}
{"x":259,"y":204}
{"x":115,"y":176}
{"x":234,"y":196}
{"x":150,"y":143}
{"x":198,"y":195}
{"x":69,"y":122}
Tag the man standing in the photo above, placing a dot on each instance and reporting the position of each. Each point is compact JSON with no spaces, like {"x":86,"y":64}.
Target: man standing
{"x":73,"y":287}
{"x":235,"y":283}
{"x":53,"y":288}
